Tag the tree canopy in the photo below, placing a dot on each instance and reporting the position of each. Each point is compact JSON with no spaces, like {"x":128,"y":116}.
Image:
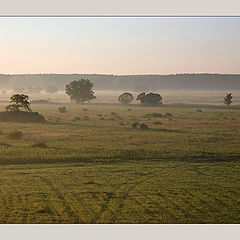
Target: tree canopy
{"x":150,"y":98}
{"x":228,"y":99}
{"x":125,"y":98}
{"x":19,"y":101}
{"x":80,"y":91}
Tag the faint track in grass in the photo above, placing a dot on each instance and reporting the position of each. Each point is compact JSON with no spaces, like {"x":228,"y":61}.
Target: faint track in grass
{"x":18,"y":192}
{"x":125,"y":197}
{"x":49,"y":202}
{"x":111,"y":196}
{"x":68,"y":209}
{"x":151,"y":212}
{"x":6,"y":198}
{"x":105,"y":206}
{"x":79,"y":199}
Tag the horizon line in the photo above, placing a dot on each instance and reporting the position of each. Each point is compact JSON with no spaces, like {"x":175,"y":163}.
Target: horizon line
{"x":115,"y":74}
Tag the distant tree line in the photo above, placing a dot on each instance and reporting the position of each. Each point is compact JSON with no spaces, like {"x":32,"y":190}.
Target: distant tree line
{"x":136,"y":83}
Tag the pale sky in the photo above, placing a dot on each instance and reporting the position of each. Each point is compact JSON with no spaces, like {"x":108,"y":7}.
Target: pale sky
{"x":120,"y":45}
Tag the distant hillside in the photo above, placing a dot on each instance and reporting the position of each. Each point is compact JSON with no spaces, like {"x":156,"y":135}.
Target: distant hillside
{"x":128,"y":82}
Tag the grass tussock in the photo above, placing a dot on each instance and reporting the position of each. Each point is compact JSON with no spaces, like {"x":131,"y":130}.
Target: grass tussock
{"x":76,"y":119}
{"x":15,"y":135}
{"x":62,"y":109}
{"x":144,"y":126}
{"x":39,"y":145}
{"x":157,"y":123}
{"x":4,"y":144}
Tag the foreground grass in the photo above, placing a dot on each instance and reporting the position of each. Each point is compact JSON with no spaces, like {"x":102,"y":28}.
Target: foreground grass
{"x":97,"y":168}
{"x":135,"y":192}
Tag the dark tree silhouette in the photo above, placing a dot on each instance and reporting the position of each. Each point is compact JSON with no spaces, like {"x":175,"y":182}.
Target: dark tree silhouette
{"x":228,"y":99}
{"x":125,"y":98}
{"x":18,"y":101}
{"x":150,"y":98}
{"x":80,"y":91}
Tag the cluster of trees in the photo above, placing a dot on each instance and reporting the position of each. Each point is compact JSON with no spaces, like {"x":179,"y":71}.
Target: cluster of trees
{"x":146,"y":99}
{"x":82,"y":90}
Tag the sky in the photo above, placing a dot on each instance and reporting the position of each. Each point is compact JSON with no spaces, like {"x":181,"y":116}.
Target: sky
{"x":119,"y":45}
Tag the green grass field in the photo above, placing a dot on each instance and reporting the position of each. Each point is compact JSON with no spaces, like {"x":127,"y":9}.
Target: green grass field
{"x":97,"y":168}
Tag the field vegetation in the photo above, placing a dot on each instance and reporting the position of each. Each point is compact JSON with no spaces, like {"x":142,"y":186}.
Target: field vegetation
{"x":96,"y":164}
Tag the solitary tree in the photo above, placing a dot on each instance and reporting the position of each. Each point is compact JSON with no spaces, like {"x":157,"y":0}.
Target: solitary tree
{"x":80,"y":91}
{"x":19,"y":101}
{"x":228,"y":99}
{"x":125,"y":98}
{"x":150,"y":98}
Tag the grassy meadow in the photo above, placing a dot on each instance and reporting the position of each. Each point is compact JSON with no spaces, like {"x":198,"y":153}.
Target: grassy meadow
{"x":94,"y":164}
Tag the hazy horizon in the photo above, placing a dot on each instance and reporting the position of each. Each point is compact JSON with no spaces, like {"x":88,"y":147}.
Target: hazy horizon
{"x":115,"y":74}
{"x":120,"y":45}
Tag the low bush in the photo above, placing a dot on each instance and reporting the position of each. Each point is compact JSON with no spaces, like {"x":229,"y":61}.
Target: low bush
{"x":199,"y":110}
{"x":168,"y":115}
{"x":39,"y":145}
{"x":85,"y":109}
{"x":15,"y":135}
{"x":113,"y":114}
{"x":144,"y":126}
{"x":135,"y":124}
{"x":62,"y":109}
{"x":153,"y":115}
{"x":157,"y":123}
{"x":3,"y":144}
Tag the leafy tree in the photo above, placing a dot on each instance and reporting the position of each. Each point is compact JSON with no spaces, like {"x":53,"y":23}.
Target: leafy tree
{"x":80,"y":91}
{"x":228,"y":99}
{"x":150,"y":98}
{"x":51,"y":89}
{"x":19,"y":101}
{"x":125,"y":98}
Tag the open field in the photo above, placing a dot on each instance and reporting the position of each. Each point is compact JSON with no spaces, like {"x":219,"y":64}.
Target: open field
{"x":97,"y":168}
